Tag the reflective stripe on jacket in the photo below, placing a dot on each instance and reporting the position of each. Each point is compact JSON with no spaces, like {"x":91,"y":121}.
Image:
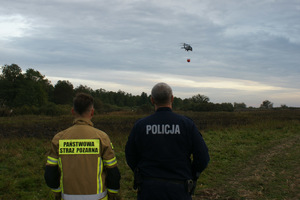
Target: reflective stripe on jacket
{"x":82,"y":152}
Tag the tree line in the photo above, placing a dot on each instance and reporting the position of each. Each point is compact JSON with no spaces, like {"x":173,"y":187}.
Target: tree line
{"x":31,"y":93}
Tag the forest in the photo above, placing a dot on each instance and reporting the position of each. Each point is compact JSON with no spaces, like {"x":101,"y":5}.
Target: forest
{"x":32,"y":93}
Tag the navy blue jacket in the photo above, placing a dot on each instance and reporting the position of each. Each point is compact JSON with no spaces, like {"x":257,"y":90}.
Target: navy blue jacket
{"x":161,"y":146}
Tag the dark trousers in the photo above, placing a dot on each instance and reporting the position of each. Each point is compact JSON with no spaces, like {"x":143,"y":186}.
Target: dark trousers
{"x":162,"y":190}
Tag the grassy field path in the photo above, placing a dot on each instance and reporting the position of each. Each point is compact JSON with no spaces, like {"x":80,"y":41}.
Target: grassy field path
{"x":274,"y":171}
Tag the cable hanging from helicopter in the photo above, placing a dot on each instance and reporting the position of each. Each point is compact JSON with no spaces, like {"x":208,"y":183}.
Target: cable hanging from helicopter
{"x":187,"y":47}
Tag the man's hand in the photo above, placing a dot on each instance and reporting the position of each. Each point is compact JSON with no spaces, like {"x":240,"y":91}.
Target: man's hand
{"x":57,"y":195}
{"x":194,"y":187}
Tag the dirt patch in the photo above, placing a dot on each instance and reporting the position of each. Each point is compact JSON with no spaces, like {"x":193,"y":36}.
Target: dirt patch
{"x":210,"y":194}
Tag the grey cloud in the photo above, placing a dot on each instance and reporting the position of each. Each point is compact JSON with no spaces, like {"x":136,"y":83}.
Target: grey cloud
{"x":239,"y":40}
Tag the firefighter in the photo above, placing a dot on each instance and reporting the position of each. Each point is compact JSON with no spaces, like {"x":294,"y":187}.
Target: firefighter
{"x":159,"y":150}
{"x":82,"y":162}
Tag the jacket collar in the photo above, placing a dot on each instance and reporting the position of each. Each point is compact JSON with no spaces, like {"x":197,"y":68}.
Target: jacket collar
{"x":163,"y":109}
{"x":83,"y":121}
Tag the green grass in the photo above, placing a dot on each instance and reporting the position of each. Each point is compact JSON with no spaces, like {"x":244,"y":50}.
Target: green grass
{"x":254,"y":155}
{"x":21,"y":169}
{"x":246,"y":161}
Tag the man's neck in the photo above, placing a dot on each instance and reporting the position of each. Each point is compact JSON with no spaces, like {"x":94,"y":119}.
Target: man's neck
{"x":162,"y":106}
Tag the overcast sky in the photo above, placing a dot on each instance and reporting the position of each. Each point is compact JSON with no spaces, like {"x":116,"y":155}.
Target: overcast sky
{"x":243,"y":51}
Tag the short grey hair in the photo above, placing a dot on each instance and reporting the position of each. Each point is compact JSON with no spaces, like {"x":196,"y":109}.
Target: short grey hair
{"x":161,"y":93}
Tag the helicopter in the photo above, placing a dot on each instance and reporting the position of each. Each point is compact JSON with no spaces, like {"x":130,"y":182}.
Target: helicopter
{"x":187,"y":47}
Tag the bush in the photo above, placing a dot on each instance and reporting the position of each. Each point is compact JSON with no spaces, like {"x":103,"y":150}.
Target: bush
{"x":49,"y":109}
{"x":27,"y":110}
{"x":106,"y":108}
{"x":5,"y":112}
{"x":52,"y":109}
{"x":145,"y":108}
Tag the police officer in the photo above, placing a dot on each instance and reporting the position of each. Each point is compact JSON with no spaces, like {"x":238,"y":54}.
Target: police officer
{"x":82,"y":162}
{"x":159,"y":150}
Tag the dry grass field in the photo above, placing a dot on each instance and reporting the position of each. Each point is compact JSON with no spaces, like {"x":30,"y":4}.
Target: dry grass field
{"x":254,"y":155}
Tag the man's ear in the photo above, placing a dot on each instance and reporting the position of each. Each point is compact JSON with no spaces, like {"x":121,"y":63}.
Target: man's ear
{"x":172,"y":99}
{"x":152,"y":100}
{"x":92,"y":112}
{"x":73,"y":111}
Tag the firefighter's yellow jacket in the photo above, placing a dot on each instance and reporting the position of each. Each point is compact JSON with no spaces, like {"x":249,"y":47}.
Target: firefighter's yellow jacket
{"x":83,"y":154}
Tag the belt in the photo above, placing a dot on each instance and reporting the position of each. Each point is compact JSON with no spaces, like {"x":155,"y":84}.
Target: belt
{"x":164,"y":180}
